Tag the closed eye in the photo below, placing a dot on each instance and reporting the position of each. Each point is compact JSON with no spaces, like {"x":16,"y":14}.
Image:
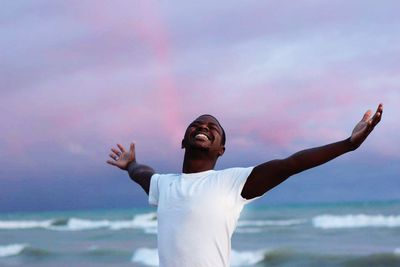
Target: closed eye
{"x":210,"y":125}
{"x":214,"y":127}
{"x":194,"y":124}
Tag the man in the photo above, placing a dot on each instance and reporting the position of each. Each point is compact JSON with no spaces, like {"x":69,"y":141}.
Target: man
{"x":198,"y":209}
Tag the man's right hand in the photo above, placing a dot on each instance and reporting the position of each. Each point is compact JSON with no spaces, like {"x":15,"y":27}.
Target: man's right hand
{"x":122,"y":158}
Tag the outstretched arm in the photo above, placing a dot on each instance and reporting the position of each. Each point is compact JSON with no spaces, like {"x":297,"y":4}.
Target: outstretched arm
{"x":126,"y":160}
{"x":268,"y":175}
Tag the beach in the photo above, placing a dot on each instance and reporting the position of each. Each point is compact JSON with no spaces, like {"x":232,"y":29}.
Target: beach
{"x":334,"y":234}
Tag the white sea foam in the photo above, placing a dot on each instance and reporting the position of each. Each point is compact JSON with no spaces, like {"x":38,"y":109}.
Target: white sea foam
{"x":11,"y":250}
{"x":76,"y":224}
{"x":149,"y":257}
{"x":146,"y":221}
{"x":272,"y":222}
{"x":248,"y":230}
{"x":246,"y":258}
{"x":355,"y":221}
{"x":10,"y":225}
{"x":151,"y":231}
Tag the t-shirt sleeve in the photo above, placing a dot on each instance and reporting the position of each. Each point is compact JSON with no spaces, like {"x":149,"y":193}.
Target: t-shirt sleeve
{"x":239,"y":176}
{"x":154,"y":189}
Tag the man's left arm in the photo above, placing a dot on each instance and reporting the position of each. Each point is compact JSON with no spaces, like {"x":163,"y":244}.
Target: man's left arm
{"x":270,"y":174}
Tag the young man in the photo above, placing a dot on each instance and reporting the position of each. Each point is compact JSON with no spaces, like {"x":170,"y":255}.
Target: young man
{"x":198,"y":209}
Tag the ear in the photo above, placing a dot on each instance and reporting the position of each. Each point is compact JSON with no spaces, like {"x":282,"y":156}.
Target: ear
{"x":221,"y":151}
{"x":183,"y":144}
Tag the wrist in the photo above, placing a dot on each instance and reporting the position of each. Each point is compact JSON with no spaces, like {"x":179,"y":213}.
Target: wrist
{"x":350,"y":145}
{"x":130,"y":166}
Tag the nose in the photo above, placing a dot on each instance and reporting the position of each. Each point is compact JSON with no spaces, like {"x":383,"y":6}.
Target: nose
{"x":203,"y":127}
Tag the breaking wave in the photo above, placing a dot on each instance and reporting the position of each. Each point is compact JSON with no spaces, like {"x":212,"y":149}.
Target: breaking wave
{"x":149,"y":257}
{"x":146,"y":221}
{"x":248,"y":230}
{"x":10,"y":225}
{"x":355,"y":221}
{"x":272,"y":222}
{"x":11,"y":250}
{"x":247,"y":258}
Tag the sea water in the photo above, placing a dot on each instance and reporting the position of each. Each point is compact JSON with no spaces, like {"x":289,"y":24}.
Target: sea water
{"x":347,"y":234}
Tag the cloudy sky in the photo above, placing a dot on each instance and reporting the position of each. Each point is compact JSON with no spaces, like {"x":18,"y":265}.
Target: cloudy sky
{"x":79,"y":76}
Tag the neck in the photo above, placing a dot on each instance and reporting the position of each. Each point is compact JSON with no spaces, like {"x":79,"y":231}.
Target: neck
{"x":197,"y":161}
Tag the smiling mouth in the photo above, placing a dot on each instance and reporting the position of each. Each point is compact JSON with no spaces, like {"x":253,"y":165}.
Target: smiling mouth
{"x":202,"y":137}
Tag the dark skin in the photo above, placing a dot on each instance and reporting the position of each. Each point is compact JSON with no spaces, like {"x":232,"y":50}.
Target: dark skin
{"x":203,"y":146}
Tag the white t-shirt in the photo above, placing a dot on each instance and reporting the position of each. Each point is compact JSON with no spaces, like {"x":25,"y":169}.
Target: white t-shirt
{"x":197,"y":214}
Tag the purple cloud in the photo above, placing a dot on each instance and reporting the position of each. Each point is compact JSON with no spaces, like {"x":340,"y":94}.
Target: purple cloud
{"x":79,"y":77}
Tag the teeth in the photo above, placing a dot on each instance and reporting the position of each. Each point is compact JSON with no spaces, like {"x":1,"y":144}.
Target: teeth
{"x":201,"y":136}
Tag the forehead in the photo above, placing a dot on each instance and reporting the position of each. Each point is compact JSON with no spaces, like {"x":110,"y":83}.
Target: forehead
{"x":207,"y":118}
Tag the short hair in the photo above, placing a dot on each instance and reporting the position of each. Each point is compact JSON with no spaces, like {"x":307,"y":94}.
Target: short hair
{"x":223,"y":137}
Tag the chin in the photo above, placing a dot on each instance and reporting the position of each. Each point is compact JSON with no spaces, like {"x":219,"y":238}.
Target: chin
{"x":199,"y":147}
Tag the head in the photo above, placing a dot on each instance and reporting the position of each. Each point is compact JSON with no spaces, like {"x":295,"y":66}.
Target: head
{"x":206,"y":134}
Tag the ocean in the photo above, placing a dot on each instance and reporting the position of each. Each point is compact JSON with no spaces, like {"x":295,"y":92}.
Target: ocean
{"x":342,"y":234}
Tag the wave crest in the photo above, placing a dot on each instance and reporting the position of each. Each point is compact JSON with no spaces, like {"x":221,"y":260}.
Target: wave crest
{"x":149,"y":257}
{"x":9,"y":225}
{"x":272,"y":222}
{"x":146,"y":221}
{"x":247,"y":258}
{"x":11,"y":250}
{"x":355,"y":221}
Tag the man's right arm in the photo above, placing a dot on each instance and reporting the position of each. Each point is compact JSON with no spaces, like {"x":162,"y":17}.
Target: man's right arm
{"x":141,"y":174}
{"x":126,"y":160}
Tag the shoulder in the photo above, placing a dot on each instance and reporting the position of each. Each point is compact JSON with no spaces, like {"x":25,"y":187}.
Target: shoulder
{"x":234,"y":175}
{"x":164,"y":177}
{"x":167,"y":175}
{"x":236,"y":171}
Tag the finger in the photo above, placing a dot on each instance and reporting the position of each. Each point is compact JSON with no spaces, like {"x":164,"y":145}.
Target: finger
{"x":111,"y":162}
{"x":132,"y":148}
{"x":366,"y":115}
{"x":121,"y":148}
{"x":118,"y":153}
{"x":380,"y":110}
{"x":378,"y":115}
{"x":113,"y":156}
{"x":375,"y":119}
{"x":114,"y":153}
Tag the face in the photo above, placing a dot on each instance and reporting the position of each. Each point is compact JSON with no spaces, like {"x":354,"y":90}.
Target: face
{"x":204,"y":133}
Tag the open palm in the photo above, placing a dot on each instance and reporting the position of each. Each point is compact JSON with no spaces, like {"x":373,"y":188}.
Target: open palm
{"x":365,"y":126}
{"x":122,"y":158}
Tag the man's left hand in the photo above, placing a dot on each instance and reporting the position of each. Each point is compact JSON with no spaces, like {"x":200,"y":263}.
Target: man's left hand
{"x":365,"y":126}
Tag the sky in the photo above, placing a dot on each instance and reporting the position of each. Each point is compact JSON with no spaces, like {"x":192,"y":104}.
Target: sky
{"x":77,"y":77}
